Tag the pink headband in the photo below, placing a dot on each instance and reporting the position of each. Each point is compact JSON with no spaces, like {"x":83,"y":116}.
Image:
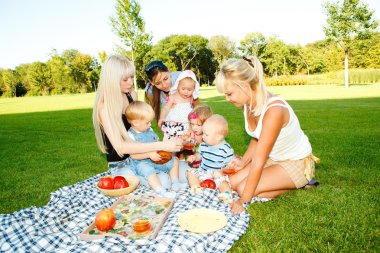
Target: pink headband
{"x":193,"y":116}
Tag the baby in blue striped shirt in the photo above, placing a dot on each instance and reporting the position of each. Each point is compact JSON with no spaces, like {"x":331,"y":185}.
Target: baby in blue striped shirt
{"x":214,"y":152}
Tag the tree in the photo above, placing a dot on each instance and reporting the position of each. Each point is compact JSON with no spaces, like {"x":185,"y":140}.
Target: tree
{"x":253,"y":44}
{"x":366,"y":53}
{"x":39,"y":76}
{"x":130,"y":27}
{"x":23,"y":85}
{"x":9,"y":82}
{"x":102,"y":56}
{"x":180,"y":52}
{"x":61,"y":75}
{"x":347,"y":21}
{"x":222,"y":48}
{"x":81,"y":67}
{"x":274,"y":57}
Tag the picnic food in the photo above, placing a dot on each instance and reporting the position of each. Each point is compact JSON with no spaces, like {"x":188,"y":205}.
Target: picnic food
{"x":202,"y":220}
{"x":189,"y":144}
{"x":130,"y":183}
{"x":106,"y":182}
{"x":141,"y":226}
{"x":120,"y":182}
{"x":228,"y":170}
{"x":137,"y":217}
{"x":109,"y":183}
{"x":208,"y":183}
{"x":105,"y":219}
{"x":165,"y":156}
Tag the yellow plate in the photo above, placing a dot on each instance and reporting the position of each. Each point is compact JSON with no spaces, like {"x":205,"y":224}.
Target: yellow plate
{"x":202,"y":220}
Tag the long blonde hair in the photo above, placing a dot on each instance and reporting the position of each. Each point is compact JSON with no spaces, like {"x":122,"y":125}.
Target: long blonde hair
{"x":110,"y":99}
{"x":246,"y":70}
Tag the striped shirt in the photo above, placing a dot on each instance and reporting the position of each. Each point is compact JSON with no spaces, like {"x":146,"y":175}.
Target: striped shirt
{"x":215,"y":157}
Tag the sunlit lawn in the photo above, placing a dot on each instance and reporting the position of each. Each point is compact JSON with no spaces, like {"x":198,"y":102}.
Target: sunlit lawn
{"x":48,"y":142}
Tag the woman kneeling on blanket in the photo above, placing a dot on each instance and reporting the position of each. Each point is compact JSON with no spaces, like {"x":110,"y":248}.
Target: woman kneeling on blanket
{"x":113,"y":96}
{"x":279,"y":156}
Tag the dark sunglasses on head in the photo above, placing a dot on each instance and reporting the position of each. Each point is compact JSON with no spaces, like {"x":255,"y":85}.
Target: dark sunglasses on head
{"x":155,"y":64}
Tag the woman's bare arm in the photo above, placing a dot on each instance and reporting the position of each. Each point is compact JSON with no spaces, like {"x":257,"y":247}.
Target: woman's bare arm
{"x":196,"y":102}
{"x":272,"y":123}
{"x":247,"y":157}
{"x":138,"y":147}
{"x":165,"y":111}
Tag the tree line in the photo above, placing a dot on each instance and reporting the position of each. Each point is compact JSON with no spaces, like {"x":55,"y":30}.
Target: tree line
{"x":75,"y":72}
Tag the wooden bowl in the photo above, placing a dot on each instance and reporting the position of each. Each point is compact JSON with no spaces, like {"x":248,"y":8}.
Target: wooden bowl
{"x":165,"y":156}
{"x":133,"y":182}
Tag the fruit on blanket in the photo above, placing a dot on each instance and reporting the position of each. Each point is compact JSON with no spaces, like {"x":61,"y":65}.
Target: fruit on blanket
{"x":208,"y":183}
{"x":165,"y":156}
{"x":120,"y":182}
{"x":105,"y":219}
{"x":106,"y":183}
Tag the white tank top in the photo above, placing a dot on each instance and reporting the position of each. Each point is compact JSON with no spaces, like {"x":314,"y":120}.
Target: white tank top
{"x":291,"y":143}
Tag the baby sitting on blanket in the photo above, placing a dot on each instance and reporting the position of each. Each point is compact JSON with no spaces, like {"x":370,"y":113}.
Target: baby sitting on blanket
{"x":214,"y":153}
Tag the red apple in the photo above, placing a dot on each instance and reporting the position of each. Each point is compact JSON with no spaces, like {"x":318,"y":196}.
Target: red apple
{"x":120,"y":182}
{"x":208,"y":183}
{"x":106,"y":183}
{"x":105,"y":219}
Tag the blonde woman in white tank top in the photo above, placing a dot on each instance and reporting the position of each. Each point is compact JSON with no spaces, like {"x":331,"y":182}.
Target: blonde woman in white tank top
{"x":278,"y":158}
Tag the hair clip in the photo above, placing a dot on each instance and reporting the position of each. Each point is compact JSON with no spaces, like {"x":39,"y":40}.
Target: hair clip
{"x":249,"y":61}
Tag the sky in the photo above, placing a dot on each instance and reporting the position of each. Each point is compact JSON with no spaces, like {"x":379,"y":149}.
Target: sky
{"x":32,"y":29}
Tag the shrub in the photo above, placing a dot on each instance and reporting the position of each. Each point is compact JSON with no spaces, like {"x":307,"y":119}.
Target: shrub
{"x":361,"y":76}
{"x":286,"y":80}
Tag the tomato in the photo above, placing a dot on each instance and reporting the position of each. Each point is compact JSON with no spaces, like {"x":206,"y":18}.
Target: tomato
{"x":106,"y":183}
{"x":105,"y":219}
{"x":208,"y":183}
{"x":120,"y":182}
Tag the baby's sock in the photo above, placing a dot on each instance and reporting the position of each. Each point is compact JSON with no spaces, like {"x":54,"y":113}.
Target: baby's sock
{"x":163,"y":193}
{"x":177,"y":186}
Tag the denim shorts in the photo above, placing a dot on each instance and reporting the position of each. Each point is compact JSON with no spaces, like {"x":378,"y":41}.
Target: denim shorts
{"x":123,"y":167}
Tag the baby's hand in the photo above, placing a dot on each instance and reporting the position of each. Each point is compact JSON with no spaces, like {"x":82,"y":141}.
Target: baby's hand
{"x":236,"y":163}
{"x":190,"y":158}
{"x":154,"y":156}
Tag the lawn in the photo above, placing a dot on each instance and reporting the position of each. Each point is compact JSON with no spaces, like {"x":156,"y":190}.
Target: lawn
{"x":48,"y":142}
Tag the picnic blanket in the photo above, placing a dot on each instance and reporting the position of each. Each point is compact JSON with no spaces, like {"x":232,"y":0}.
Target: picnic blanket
{"x":56,"y":226}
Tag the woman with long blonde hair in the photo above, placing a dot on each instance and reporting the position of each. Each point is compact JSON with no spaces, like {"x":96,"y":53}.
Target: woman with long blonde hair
{"x":279,"y":156}
{"x":113,"y":96}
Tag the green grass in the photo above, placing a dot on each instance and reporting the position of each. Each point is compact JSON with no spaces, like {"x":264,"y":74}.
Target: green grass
{"x":48,"y":142}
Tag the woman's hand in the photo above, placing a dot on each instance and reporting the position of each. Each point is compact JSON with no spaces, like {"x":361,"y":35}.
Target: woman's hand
{"x":186,"y":136}
{"x":154,"y":156}
{"x":159,"y":123}
{"x":172,"y":145}
{"x":237,"y":207}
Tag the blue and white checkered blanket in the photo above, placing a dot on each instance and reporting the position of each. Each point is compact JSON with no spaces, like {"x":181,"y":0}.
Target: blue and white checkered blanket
{"x":56,"y":226}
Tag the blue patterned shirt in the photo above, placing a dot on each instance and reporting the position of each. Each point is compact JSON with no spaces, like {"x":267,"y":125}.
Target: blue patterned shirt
{"x":215,"y":157}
